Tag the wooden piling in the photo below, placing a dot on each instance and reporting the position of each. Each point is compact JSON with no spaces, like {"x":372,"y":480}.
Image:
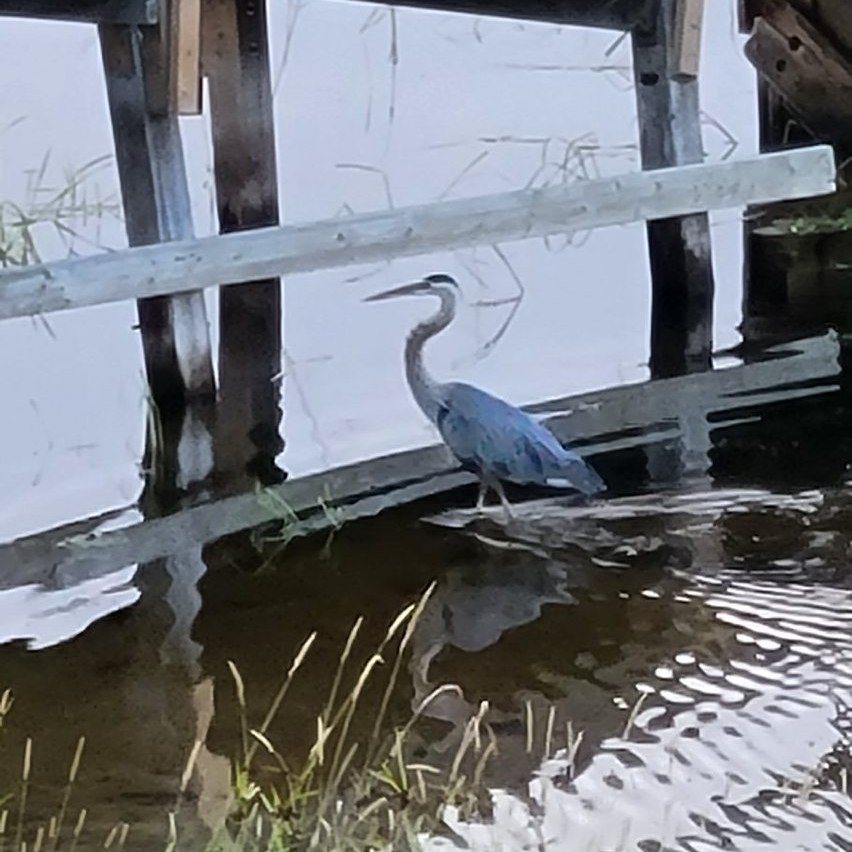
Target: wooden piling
{"x":794,"y":282}
{"x":156,"y":204}
{"x":679,"y":248}
{"x":802,"y":64}
{"x":235,"y":59}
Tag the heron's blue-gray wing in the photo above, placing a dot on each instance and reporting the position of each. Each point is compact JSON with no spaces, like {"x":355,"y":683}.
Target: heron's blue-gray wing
{"x":490,"y":435}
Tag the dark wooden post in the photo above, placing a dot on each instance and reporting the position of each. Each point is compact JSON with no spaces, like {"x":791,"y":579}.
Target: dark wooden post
{"x":142,"y":86}
{"x":679,"y":248}
{"x":235,"y":59}
{"x":140,"y":82}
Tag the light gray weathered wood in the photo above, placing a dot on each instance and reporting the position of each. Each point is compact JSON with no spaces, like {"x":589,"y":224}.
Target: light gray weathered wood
{"x":232,"y":258}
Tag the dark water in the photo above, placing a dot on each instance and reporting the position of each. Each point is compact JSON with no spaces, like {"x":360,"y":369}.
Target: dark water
{"x":714,"y":580}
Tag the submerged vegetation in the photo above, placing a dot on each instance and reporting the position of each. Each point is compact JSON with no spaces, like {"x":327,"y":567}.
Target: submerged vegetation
{"x":345,"y":794}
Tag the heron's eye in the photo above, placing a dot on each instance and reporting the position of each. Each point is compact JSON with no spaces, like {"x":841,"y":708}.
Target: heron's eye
{"x":440,"y":278}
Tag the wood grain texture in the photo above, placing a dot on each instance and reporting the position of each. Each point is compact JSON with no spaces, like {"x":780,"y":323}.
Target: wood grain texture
{"x":686,"y":39}
{"x":155,"y":197}
{"x":409,"y":231}
{"x":679,"y":250}
{"x":807,"y":71}
{"x":235,"y":46}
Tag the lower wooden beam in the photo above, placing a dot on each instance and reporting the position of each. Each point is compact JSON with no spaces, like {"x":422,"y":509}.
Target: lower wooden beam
{"x":363,"y":489}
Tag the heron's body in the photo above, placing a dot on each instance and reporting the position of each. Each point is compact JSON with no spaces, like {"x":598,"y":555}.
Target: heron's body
{"x":496,"y":440}
{"x":488,"y":436}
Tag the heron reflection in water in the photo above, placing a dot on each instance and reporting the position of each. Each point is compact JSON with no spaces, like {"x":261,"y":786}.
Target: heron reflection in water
{"x":491,"y":438}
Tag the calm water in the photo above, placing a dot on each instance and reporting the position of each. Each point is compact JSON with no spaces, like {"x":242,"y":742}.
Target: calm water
{"x":713,"y":579}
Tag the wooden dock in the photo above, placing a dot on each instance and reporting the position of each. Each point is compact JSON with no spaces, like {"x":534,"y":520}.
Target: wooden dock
{"x":155,"y":54}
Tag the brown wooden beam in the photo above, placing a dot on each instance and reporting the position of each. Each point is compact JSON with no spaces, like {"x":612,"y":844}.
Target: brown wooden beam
{"x":91,"y":11}
{"x":686,"y":39}
{"x":606,"y":14}
{"x":834,"y":18}
{"x":802,"y":65}
{"x":188,"y":26}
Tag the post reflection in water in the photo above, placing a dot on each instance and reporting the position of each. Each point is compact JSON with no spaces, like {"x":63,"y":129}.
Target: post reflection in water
{"x":723,"y":597}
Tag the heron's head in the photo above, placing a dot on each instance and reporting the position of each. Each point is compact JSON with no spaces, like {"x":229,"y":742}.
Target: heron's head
{"x":430,"y":285}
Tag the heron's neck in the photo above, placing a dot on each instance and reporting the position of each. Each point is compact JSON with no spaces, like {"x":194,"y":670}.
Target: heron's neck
{"x":424,"y":388}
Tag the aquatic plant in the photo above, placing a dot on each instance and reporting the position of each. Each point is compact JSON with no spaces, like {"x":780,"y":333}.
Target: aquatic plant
{"x":13,"y":805}
{"x":349,"y":794}
{"x":346,"y":794}
{"x":65,"y":209}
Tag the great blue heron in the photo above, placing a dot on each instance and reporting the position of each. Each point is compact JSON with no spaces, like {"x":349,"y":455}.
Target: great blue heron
{"x":490,"y":437}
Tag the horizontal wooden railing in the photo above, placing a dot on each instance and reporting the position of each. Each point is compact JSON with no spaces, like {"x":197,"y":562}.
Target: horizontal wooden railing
{"x":181,"y":266}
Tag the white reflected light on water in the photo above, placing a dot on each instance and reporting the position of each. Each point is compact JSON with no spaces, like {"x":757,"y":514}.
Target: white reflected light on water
{"x":734,"y":754}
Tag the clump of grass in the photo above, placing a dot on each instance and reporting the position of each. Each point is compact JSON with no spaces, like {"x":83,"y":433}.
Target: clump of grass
{"x":347,"y":794}
{"x":51,"y":835}
{"x":66,"y":208}
{"x":816,"y":223}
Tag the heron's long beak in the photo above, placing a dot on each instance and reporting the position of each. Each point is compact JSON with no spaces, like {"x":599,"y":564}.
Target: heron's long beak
{"x":406,"y":290}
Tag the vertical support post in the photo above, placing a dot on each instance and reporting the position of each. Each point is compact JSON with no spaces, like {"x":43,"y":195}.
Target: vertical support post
{"x":155,"y":196}
{"x":140,"y":65}
{"x":679,"y":248}
{"x":235,"y":59}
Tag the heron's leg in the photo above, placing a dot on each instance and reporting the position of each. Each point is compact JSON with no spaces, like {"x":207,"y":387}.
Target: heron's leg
{"x":480,"y":500}
{"x":504,"y":500}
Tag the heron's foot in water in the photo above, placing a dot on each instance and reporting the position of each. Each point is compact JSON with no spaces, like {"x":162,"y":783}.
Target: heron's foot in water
{"x":480,"y":500}
{"x":504,"y":502}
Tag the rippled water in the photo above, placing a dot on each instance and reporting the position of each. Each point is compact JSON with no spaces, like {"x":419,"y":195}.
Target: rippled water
{"x":742,"y":735}
{"x":667,"y":668}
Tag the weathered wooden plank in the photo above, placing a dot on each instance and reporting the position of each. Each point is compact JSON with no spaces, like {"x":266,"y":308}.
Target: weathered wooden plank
{"x":366,"y":488}
{"x":607,"y":14}
{"x":91,"y":11}
{"x":236,"y":63}
{"x":834,"y":18}
{"x":189,"y":56}
{"x":686,"y":39}
{"x":679,"y":249}
{"x":407,"y":231}
{"x":155,"y":196}
{"x":802,"y":64}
